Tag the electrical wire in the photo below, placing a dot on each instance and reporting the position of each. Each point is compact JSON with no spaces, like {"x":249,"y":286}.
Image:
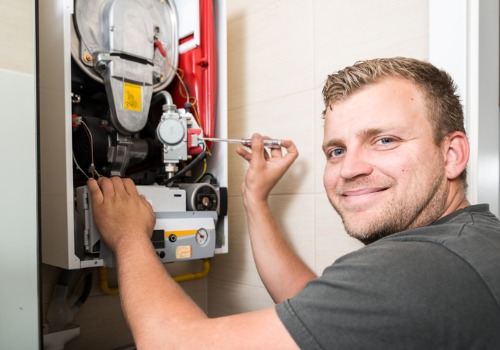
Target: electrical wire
{"x":158,"y":44}
{"x":202,"y":172}
{"x":91,"y":140}
{"x":78,"y":167}
{"x":188,"y":167}
{"x":93,"y":170}
{"x":189,"y":99}
{"x":207,"y":175}
{"x":180,"y":76}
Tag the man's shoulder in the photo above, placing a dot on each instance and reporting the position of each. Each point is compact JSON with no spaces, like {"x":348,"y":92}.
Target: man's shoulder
{"x":469,"y":225}
{"x":423,"y":287}
{"x":464,"y":245}
{"x":405,"y":287}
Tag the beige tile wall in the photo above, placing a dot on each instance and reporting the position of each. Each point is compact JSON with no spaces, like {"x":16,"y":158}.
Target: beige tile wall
{"x":17,"y":51}
{"x":279,"y":53}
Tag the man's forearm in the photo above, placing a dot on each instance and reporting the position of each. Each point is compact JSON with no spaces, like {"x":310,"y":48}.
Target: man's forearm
{"x":281,"y":270}
{"x":162,"y":316}
{"x":149,"y":295}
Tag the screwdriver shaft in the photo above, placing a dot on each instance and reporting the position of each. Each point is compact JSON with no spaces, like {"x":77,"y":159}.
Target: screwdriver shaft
{"x":271,"y":143}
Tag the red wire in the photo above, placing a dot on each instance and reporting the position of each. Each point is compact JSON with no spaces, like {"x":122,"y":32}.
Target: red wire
{"x":159,"y":45}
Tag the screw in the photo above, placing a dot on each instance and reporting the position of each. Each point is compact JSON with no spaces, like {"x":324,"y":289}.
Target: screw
{"x":101,"y":65}
{"x":156,"y":77}
{"x":87,"y":57}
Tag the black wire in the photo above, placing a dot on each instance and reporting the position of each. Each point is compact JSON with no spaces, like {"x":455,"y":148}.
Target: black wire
{"x":86,"y":289}
{"x":207,"y":175}
{"x":190,"y":166}
{"x":65,"y":279}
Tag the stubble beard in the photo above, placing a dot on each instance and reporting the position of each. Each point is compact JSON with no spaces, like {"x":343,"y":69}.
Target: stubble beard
{"x":421,"y":207}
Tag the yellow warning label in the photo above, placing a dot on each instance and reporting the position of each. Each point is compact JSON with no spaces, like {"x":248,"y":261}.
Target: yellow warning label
{"x":132,"y":97}
{"x":180,"y":233}
{"x":183,"y":252}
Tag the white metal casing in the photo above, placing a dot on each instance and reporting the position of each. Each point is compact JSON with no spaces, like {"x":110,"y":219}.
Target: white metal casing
{"x":57,"y":194}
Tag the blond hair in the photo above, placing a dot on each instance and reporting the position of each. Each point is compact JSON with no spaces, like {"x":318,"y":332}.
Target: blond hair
{"x":442,"y":102}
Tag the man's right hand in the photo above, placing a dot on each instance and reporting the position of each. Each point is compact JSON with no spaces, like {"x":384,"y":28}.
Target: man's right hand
{"x":266,"y":168}
{"x":280,"y":268}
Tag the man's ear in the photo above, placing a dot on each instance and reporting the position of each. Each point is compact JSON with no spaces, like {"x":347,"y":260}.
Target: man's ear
{"x":457,"y":154}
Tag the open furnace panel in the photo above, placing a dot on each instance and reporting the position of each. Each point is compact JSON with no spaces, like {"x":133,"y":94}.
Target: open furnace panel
{"x":129,"y":88}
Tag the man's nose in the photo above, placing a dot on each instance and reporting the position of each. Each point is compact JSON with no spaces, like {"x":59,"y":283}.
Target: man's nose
{"x":356,"y":163}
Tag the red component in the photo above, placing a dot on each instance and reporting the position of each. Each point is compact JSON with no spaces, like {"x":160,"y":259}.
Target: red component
{"x":159,"y":45}
{"x":75,"y":121}
{"x":200,"y":72}
{"x":193,"y":149}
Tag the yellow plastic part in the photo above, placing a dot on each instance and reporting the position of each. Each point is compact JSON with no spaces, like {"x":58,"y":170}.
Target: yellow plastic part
{"x":103,"y":282}
{"x":196,"y":275}
{"x":103,"y":278}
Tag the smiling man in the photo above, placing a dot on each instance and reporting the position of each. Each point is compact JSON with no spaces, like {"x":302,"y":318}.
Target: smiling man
{"x":396,"y":153}
{"x":387,"y":169}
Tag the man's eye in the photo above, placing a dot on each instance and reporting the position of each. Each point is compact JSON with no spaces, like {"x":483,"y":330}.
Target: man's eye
{"x":386,"y":140}
{"x":337,"y":152}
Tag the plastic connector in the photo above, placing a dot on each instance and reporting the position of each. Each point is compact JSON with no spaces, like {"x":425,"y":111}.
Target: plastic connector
{"x":76,"y":120}
{"x":193,"y":141}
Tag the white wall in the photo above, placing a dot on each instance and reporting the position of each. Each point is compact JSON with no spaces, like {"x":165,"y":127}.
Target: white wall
{"x":465,"y":41}
{"x":19,"y":315}
{"x":279,"y":53}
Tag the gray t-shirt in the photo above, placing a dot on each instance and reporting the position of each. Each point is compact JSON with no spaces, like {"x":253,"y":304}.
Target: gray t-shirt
{"x":436,"y":287}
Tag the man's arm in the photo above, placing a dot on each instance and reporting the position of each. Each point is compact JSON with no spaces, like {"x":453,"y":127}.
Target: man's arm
{"x":160,"y":314}
{"x":281,"y":270}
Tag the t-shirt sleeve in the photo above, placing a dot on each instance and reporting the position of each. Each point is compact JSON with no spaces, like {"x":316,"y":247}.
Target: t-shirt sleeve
{"x":382,"y":293}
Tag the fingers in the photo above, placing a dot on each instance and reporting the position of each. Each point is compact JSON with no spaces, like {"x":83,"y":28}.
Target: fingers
{"x":289,"y":145}
{"x":130,"y":187}
{"x":259,"y":154}
{"x":244,"y":153}
{"x":118,"y":185}
{"x":106,"y":186}
{"x":291,"y":150}
{"x":110,"y":187}
{"x":257,"y":147}
{"x":95,"y":191}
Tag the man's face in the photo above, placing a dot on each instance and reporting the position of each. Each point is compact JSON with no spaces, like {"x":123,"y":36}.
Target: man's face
{"x":384,"y":173}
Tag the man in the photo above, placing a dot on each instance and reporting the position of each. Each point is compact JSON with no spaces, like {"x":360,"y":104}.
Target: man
{"x":396,"y":153}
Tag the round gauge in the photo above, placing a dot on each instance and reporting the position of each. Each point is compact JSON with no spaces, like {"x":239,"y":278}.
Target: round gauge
{"x":201,"y":236}
{"x":205,"y":198}
{"x":170,"y":131}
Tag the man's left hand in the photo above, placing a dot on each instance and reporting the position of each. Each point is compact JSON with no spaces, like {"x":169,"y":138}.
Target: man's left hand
{"x":120,"y":213}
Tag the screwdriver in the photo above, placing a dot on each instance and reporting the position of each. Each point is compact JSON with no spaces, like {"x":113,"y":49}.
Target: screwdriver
{"x":271,"y":143}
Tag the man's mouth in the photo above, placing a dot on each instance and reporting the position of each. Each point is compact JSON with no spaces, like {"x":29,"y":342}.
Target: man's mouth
{"x":362,"y":191}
